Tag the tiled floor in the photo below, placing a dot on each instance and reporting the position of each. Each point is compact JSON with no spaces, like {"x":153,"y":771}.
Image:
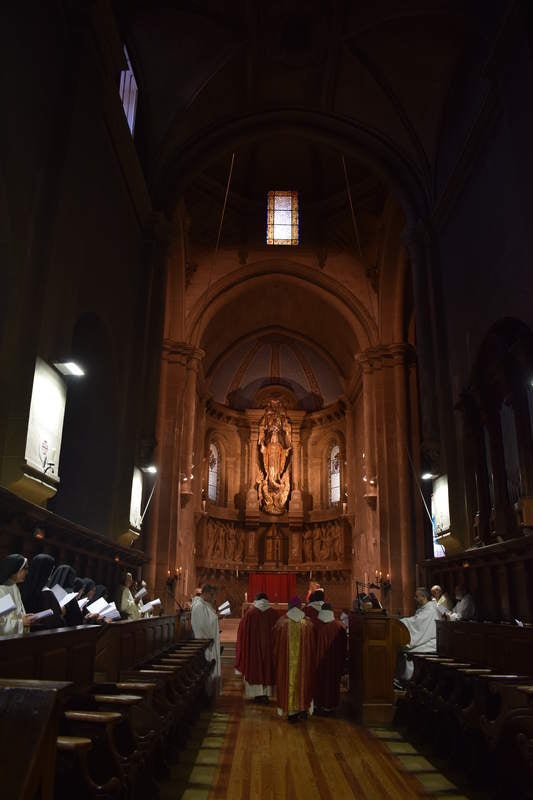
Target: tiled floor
{"x":408,"y":759}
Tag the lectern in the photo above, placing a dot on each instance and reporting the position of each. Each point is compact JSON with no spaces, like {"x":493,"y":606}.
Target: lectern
{"x":373,"y":649}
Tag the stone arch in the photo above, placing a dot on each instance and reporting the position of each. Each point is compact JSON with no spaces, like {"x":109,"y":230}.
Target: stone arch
{"x":181,"y":160}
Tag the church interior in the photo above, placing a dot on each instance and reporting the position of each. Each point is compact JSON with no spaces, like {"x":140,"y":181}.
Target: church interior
{"x":264,"y":325}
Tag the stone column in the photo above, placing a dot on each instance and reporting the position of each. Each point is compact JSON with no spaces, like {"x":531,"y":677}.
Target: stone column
{"x":252,"y":501}
{"x":188,"y":421}
{"x":296,"y":504}
{"x":401,"y":355}
{"x":175,"y":436}
{"x":368,"y":361}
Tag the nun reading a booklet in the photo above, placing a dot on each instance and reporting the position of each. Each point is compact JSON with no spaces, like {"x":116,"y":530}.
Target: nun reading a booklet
{"x":13,"y":617}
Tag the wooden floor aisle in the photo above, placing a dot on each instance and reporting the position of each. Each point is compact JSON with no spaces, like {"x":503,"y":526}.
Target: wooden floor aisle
{"x":241,"y":751}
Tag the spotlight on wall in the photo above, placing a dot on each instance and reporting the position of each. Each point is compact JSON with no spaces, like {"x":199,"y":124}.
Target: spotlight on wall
{"x":428,"y":476}
{"x":69,"y":368}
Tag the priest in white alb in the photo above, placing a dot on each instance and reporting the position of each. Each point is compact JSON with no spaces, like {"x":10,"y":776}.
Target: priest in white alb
{"x":204,"y":623}
{"x":422,"y":631}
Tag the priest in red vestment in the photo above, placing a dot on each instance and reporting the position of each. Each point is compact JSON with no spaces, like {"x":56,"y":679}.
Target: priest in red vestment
{"x":295,"y":662}
{"x":331,"y":648}
{"x":254,"y":650}
{"x":316,"y":601}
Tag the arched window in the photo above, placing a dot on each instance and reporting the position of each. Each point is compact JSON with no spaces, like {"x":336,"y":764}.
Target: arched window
{"x":334,"y":474}
{"x":212,"y":475}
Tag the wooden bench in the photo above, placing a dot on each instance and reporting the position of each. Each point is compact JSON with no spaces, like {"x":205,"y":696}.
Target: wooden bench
{"x":115,"y":735}
{"x":472,"y":701}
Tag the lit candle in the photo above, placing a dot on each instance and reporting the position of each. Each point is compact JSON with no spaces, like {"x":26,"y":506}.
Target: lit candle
{"x":377,"y":573}
{"x":388,"y":576}
{"x":246,"y":597}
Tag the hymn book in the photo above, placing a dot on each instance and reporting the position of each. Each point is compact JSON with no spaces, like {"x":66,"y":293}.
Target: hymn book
{"x":7,"y":604}
{"x":224,"y":609}
{"x":63,"y":597}
{"x":42,"y":614}
{"x":97,"y":606}
{"x":150,"y":605}
{"x":140,"y":593}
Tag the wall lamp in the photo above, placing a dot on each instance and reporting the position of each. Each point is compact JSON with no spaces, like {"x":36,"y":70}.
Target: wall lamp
{"x":69,"y":368}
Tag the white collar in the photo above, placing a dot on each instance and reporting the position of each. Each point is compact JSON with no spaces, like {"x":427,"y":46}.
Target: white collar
{"x":316,"y":604}
{"x":326,"y":616}
{"x":262,"y":605}
{"x":296,"y":614}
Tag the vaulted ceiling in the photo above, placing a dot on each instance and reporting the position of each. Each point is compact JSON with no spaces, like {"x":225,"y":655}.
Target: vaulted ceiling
{"x":345,"y":102}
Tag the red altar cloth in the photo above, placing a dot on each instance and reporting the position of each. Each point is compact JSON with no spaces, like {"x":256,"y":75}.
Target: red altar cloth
{"x":279,"y":587}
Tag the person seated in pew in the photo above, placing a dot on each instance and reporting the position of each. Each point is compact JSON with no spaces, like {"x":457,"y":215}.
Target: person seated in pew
{"x":13,"y":570}
{"x":124,"y":599}
{"x":465,"y":606}
{"x":441,"y":599}
{"x":65,"y":577}
{"x":37,"y":596}
{"x":422,"y":630}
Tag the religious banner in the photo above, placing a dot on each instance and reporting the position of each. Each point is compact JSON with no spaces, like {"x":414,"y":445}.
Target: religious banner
{"x":45,"y":423}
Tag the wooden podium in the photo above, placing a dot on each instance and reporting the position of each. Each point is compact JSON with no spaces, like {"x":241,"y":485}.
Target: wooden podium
{"x":373,"y":649}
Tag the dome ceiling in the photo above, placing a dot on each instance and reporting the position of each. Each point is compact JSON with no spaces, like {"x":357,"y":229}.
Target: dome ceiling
{"x":274,"y":360}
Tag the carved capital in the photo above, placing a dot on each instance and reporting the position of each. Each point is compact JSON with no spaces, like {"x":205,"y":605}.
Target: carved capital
{"x":189,"y":353}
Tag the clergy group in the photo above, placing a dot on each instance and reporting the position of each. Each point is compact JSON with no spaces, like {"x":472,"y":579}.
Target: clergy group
{"x":300,"y":656}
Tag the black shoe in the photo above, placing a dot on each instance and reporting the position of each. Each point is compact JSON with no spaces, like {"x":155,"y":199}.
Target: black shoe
{"x":293,"y":718}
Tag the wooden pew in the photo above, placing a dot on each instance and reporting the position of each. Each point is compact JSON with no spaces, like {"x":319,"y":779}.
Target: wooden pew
{"x":479,"y":688}
{"x":29,"y":719}
{"x":126,"y":644}
{"x":60,"y":654}
{"x":117,"y":733}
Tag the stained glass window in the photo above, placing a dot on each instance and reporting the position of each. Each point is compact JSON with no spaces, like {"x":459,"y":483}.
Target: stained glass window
{"x":335,"y":474}
{"x":128,"y":92}
{"x":212,"y":476}
{"x":282,"y":218}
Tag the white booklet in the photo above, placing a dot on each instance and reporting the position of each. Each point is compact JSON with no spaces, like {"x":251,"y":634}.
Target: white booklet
{"x":110,"y":612}
{"x":67,"y":598}
{"x":58,"y":592}
{"x":97,"y":606}
{"x":7,"y":604}
{"x":223,"y":606}
{"x":140,"y":593}
{"x":150,"y":605}
{"x":42,"y":614}
{"x":83,"y":602}
{"x":225,"y":613}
